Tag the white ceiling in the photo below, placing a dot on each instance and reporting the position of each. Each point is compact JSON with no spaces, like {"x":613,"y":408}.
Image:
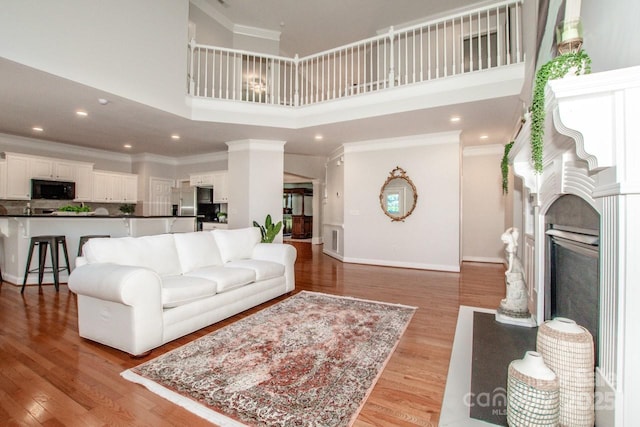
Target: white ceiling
{"x":29,"y":97}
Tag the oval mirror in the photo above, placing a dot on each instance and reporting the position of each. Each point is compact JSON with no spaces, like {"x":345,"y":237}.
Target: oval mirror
{"x":398,"y":195}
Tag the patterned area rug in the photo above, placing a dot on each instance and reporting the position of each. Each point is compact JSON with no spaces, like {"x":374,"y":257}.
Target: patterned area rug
{"x":310,"y":360}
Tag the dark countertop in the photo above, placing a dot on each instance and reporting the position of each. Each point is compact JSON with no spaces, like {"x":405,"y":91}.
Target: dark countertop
{"x":92,"y":216}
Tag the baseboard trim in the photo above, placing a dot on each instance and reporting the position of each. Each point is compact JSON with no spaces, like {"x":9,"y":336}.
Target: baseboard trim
{"x":492,"y":260}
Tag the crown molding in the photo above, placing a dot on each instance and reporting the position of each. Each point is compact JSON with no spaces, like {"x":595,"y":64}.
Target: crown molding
{"x":261,"y":33}
{"x":483,"y":150}
{"x":179,"y":161}
{"x":403,"y":142}
{"x":58,"y":148}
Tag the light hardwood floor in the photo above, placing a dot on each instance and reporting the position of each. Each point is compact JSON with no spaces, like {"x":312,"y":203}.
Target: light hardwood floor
{"x":50,"y":376}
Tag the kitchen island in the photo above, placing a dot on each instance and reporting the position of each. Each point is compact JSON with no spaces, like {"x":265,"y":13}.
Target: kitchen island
{"x":16,"y":232}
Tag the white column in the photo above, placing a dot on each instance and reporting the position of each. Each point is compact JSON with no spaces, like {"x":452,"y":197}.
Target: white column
{"x":256,"y":181}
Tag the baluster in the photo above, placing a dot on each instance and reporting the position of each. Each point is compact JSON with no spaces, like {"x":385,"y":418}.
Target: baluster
{"x":227,"y":78}
{"x":453,"y":47}
{"x":235,"y":75}
{"x":517,"y":13}
{"x":333,"y":79}
{"x":323,"y":65}
{"x":392,"y":71}
{"x":488,"y":41}
{"x":437,"y":50}
{"x":421,"y":56}
{"x":470,"y":43}
{"x":508,"y":31}
{"x":198,"y":79}
{"x":206,"y":72}
{"x":461,"y":59}
{"x":444,"y":30}
{"x":479,"y":44}
{"x":296,"y":99}
{"x":221,"y":76}
{"x":499,"y":35}
{"x":429,"y":43}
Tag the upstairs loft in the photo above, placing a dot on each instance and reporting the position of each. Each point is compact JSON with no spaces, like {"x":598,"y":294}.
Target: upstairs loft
{"x":469,"y":56}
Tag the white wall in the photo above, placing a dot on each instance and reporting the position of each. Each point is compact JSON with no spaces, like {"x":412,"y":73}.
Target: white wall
{"x":135,"y":49}
{"x":430,"y":237}
{"x":483,"y":204}
{"x":333,"y":206}
{"x":208,"y":30}
{"x":255,"y":181}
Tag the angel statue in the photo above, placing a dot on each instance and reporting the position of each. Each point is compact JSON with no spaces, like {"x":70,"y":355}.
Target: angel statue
{"x":514,"y":308}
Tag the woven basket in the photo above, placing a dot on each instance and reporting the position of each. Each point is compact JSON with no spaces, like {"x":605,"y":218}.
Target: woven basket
{"x":533,"y":393}
{"x":567,"y":349}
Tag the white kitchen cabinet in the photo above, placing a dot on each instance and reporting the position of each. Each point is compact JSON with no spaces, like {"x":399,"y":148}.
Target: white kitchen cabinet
{"x":112,"y":187}
{"x":130,"y":188}
{"x":220,"y":188}
{"x":3,"y":179}
{"x":83,"y":178}
{"x":45,"y":168}
{"x":18,"y":177}
{"x":201,"y":179}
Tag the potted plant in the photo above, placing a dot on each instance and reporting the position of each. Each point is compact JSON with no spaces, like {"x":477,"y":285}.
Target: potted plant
{"x":127,"y":209}
{"x":558,"y":67}
{"x":270,"y":230}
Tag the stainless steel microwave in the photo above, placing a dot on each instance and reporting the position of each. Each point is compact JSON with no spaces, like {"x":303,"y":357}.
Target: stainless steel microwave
{"x":58,"y":190}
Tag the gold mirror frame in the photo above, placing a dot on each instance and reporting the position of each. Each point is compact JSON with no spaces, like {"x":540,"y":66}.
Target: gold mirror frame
{"x":398,"y":174}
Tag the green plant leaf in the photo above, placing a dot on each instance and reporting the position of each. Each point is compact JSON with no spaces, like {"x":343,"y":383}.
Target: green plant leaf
{"x":504,"y":166}
{"x":557,"y":68}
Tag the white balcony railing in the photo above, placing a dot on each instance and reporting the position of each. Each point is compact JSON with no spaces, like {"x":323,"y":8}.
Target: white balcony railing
{"x":475,"y":40}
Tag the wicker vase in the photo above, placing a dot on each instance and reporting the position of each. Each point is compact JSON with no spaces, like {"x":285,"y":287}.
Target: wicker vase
{"x":532,"y":393}
{"x":567,"y":349}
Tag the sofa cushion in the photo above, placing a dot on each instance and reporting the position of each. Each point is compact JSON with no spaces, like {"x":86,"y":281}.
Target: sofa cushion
{"x":178,"y":290}
{"x":226,"y":278}
{"x":197,"y":249}
{"x":264,"y":269}
{"x":238,"y":243}
{"x":157,"y":253}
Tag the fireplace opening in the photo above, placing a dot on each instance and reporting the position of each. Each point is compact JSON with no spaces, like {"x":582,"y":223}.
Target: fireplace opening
{"x":572,"y":285}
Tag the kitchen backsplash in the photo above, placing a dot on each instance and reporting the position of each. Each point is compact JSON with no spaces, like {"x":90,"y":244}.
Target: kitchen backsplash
{"x":16,"y":207}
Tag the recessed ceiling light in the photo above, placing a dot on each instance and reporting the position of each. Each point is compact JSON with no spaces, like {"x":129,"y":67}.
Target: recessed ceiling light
{"x":37,"y":129}
{"x":454,"y":119}
{"x":175,"y":136}
{"x":318,"y":137}
{"x":82,"y":113}
{"x":103,"y":101}
{"x":484,"y":136}
{"x":127,"y":146}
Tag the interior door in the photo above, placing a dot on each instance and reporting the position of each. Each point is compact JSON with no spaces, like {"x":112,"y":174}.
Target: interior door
{"x":159,"y":196}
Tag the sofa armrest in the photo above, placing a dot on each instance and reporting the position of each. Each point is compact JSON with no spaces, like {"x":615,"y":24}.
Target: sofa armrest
{"x":281,"y":253}
{"x":127,"y":285}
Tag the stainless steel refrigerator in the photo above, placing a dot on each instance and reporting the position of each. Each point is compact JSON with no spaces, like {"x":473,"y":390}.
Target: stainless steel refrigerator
{"x":185,"y":200}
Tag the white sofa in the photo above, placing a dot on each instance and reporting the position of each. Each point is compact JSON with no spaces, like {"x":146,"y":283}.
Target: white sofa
{"x":137,"y":293}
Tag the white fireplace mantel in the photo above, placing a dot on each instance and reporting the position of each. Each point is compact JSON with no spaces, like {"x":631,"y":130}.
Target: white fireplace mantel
{"x":592,"y":150}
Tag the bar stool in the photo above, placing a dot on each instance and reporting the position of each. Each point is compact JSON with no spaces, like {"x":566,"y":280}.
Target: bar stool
{"x":43,"y":242}
{"x":85,"y":239}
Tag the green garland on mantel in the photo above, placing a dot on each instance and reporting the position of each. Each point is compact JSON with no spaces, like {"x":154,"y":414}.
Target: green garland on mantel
{"x":558,"y":67}
{"x":504,"y":165}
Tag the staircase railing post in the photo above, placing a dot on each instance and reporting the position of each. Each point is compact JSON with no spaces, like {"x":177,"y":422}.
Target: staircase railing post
{"x":192,"y":83}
